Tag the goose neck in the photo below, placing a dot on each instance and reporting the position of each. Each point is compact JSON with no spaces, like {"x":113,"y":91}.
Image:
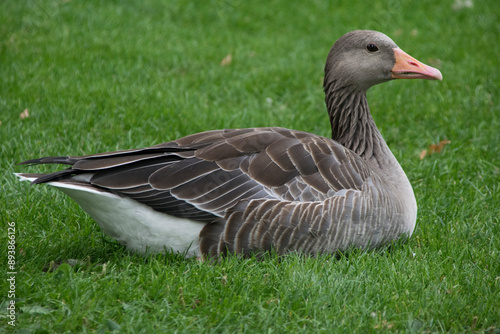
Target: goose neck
{"x":353,"y":125}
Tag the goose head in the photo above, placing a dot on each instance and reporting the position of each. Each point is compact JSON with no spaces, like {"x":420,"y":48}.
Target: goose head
{"x":363,"y":58}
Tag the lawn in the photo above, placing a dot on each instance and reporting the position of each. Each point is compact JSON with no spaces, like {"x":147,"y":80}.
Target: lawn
{"x":81,"y":77}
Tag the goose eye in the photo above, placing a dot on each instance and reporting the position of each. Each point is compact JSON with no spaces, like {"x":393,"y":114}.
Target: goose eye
{"x":372,"y":47}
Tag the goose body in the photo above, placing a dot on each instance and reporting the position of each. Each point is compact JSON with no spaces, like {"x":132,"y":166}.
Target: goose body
{"x":257,"y":189}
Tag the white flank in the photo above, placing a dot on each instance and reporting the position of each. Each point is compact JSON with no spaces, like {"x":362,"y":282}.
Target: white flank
{"x":135,"y":225}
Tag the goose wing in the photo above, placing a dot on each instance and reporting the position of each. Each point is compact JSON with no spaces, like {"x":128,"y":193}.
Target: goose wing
{"x":203,"y":175}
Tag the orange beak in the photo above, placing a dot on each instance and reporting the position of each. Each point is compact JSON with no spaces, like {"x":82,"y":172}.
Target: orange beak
{"x":407,"y":67}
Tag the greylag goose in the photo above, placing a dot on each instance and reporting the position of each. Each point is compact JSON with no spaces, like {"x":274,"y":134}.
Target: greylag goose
{"x":253,"y":190}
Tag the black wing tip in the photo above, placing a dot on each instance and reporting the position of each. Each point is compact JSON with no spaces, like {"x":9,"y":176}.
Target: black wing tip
{"x":49,"y":160}
{"x":30,"y":162}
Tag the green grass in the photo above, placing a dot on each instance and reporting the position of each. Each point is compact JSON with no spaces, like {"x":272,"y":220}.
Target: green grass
{"x":105,"y":75}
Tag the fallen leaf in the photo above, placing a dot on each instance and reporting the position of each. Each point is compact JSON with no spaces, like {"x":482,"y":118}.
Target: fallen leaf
{"x":423,"y":154}
{"x":195,"y":303}
{"x":24,"y":114}
{"x":459,"y":4}
{"x":398,"y":32}
{"x":434,"y":148}
{"x":474,"y":323}
{"x":436,"y":62}
{"x":227,"y":60}
{"x":384,"y":324}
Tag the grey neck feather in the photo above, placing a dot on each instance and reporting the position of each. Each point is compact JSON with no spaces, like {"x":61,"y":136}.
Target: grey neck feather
{"x":353,"y":125}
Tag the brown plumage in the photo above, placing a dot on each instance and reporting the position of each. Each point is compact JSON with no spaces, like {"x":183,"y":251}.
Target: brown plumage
{"x":252,"y":190}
